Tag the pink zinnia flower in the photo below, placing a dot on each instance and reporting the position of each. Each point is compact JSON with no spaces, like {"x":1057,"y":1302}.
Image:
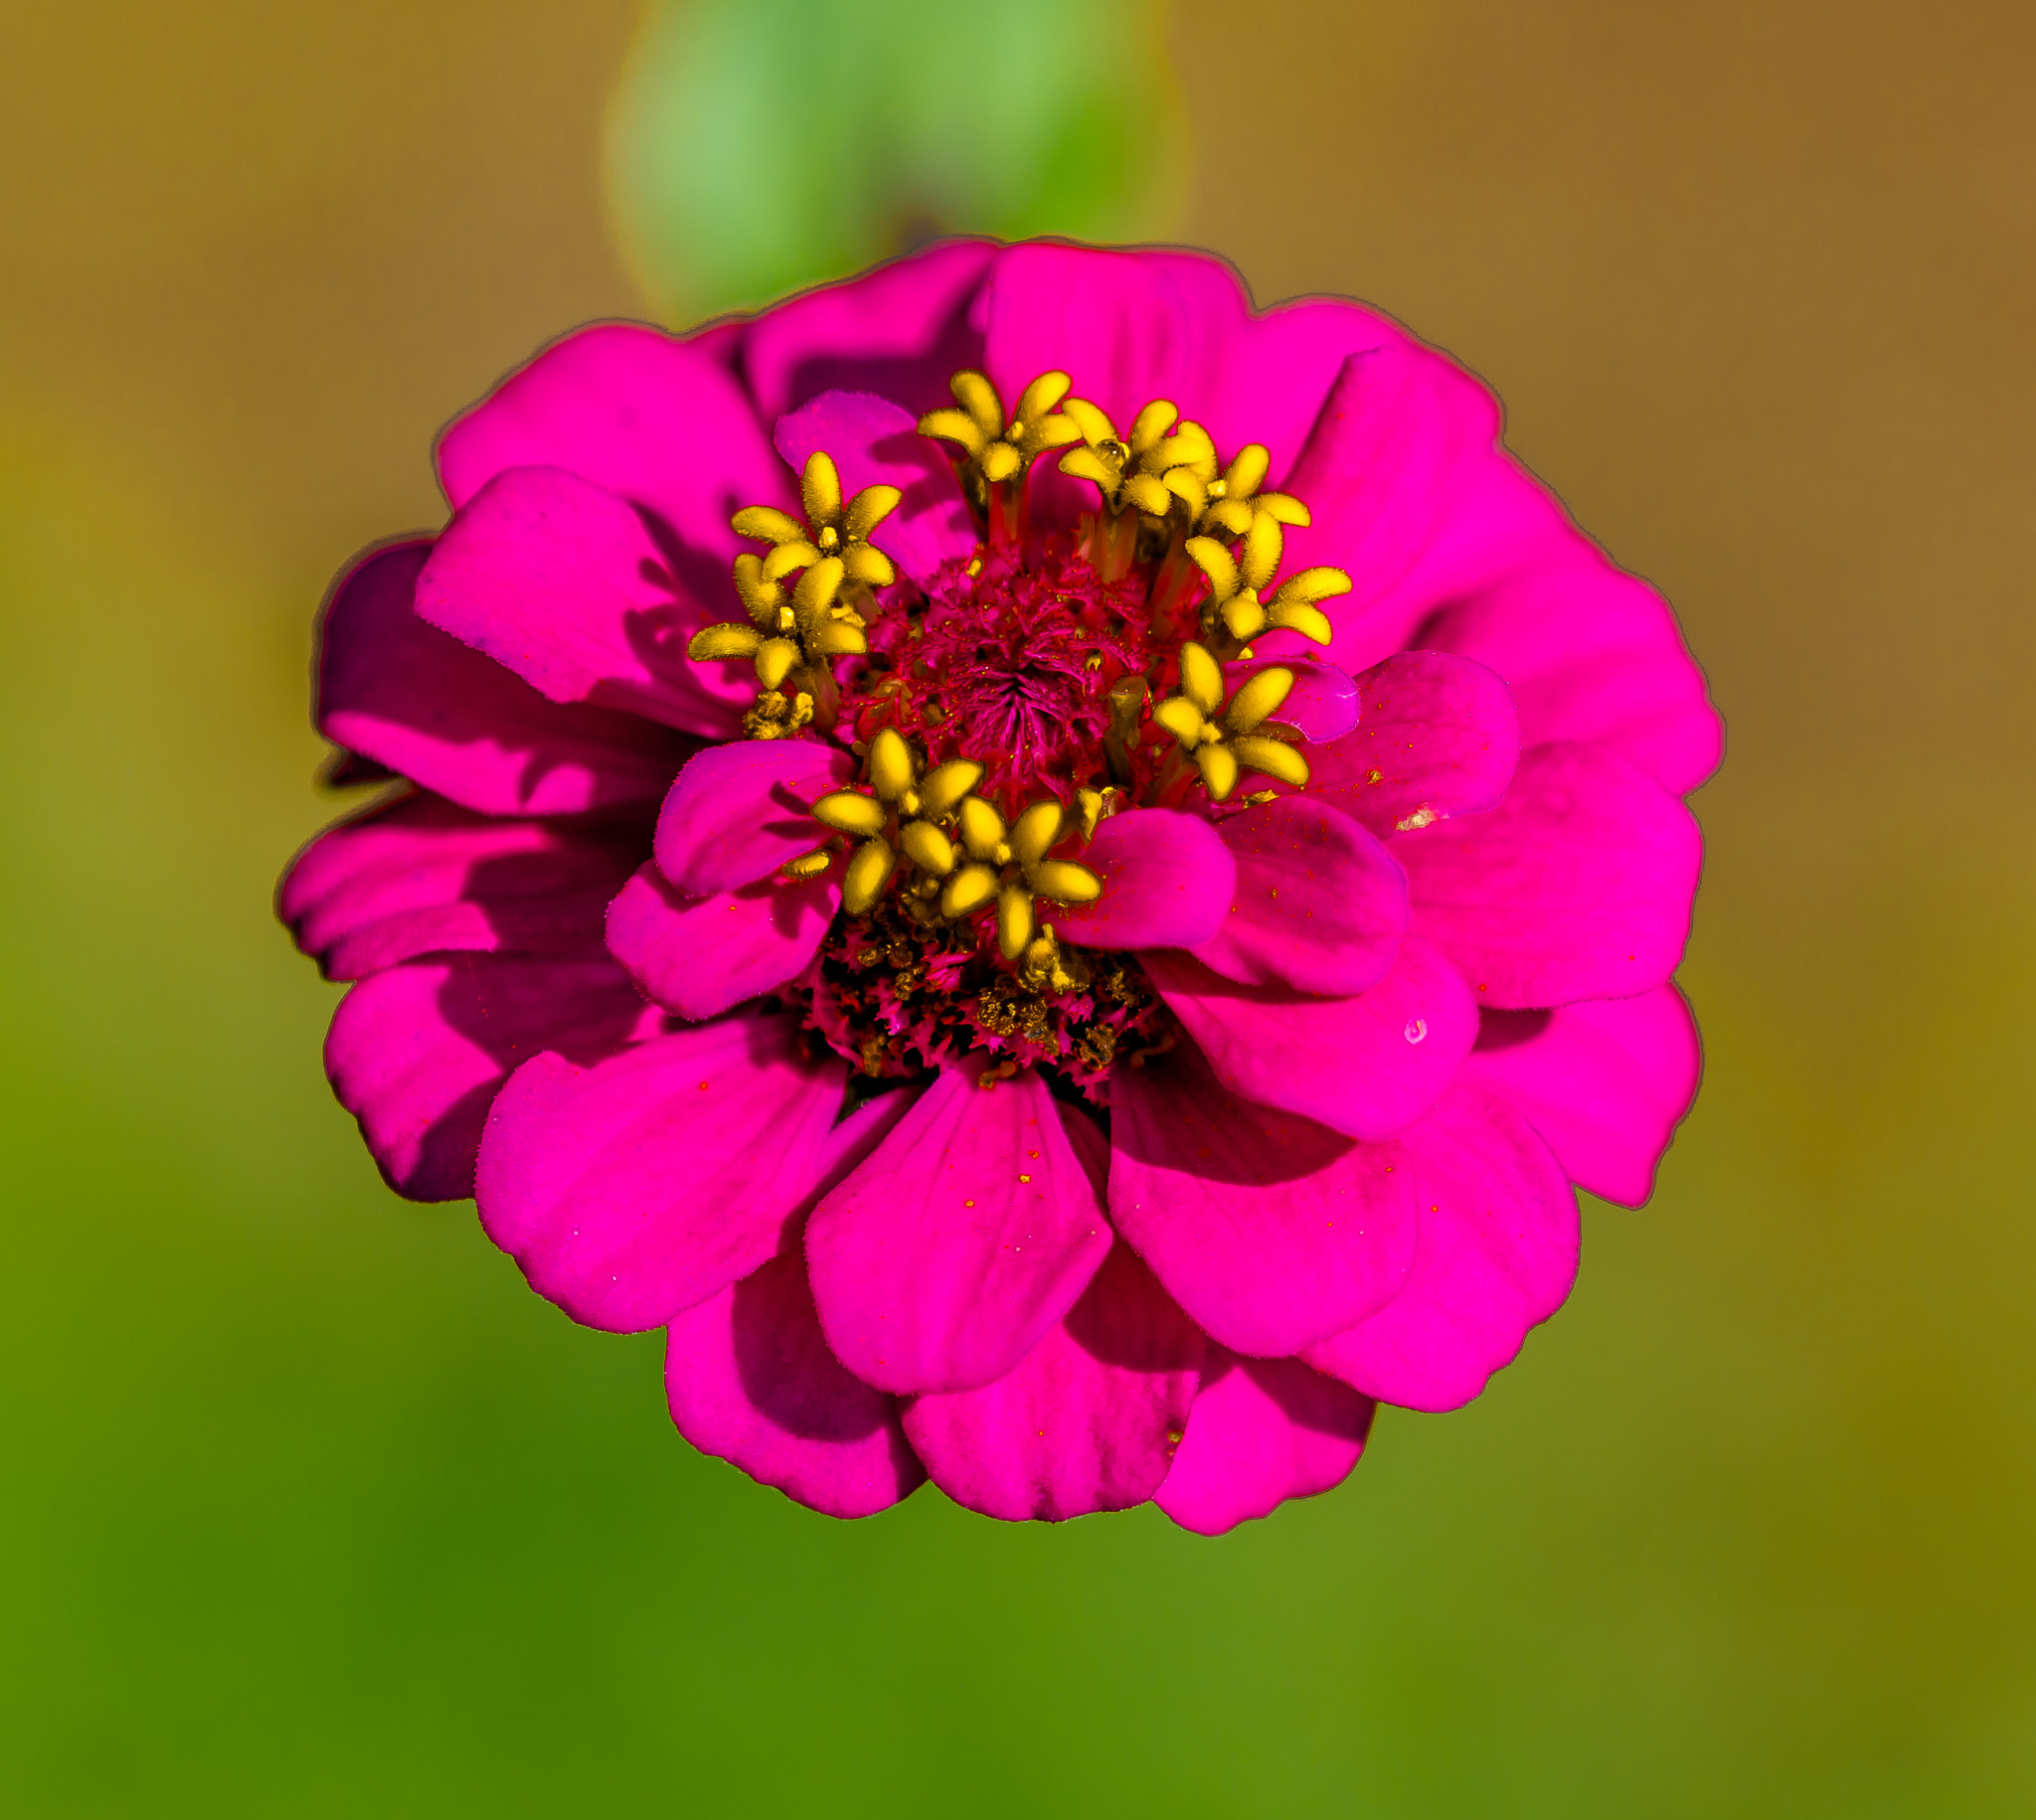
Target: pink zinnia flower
{"x":1055,"y":875}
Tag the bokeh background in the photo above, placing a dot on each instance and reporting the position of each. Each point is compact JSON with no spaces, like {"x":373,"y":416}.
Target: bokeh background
{"x":307,"y":1506}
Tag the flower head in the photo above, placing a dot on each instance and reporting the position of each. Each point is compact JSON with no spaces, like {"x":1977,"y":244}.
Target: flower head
{"x":1069,"y":960}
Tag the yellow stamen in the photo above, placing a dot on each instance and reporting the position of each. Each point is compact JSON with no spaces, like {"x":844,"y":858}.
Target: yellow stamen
{"x":821,"y":621}
{"x":1238,"y":739}
{"x":996,"y":452}
{"x":1148,"y":471}
{"x":1237,"y":581}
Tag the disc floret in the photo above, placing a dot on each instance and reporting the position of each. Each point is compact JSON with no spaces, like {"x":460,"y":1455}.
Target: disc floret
{"x":1006,"y":705}
{"x":1227,"y":738}
{"x":796,"y":639}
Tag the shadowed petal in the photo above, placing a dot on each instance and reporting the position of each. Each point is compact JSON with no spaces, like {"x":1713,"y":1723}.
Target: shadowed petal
{"x":562,"y":583}
{"x":414,"y":698}
{"x":1364,"y":1066}
{"x":1604,"y":1082}
{"x":659,"y":422}
{"x":738,"y":812}
{"x":1272,"y":1230}
{"x":1167,"y":880}
{"x":1320,"y":905}
{"x":873,"y":442}
{"x":940,"y":1262}
{"x":699,"y":956}
{"x":1437,"y":737}
{"x":1261,"y":1431}
{"x":1578,"y":886}
{"x":1497,"y":1253}
{"x":637,"y":1188}
{"x":420,"y":874}
{"x":1088,"y":1421}
{"x":418,"y":1053}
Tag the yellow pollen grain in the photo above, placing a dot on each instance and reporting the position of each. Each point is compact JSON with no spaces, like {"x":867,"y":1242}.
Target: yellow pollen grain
{"x":968,"y":1203}
{"x":1025,"y":1178}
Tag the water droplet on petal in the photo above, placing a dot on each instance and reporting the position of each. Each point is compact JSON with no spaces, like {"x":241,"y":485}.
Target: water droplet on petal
{"x":1416,"y":1028}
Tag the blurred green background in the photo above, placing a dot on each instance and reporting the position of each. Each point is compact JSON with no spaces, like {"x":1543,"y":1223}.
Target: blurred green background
{"x":307,"y":1506}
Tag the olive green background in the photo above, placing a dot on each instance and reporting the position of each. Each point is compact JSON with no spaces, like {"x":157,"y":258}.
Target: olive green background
{"x":308,"y":1507}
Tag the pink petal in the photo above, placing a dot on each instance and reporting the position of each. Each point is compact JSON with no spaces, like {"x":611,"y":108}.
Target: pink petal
{"x":941,"y":1260}
{"x":1496,"y":1256}
{"x":1131,"y":327}
{"x":1437,"y":737}
{"x":1454,"y":547}
{"x":1261,"y":1431}
{"x":1384,"y":477}
{"x":901,"y":331}
{"x":1323,"y":703}
{"x":1590,"y":653}
{"x":637,"y":1188}
{"x":1604,"y":1082}
{"x":420,"y":876}
{"x":1320,"y":905}
{"x":1267,"y":1229}
{"x":418,"y":1053}
{"x":564,"y":584}
{"x":875,"y":443}
{"x":700,"y":957}
{"x":1088,"y":1421}
{"x":1578,"y":886}
{"x":1167,"y":880}
{"x":1364,"y":1066}
{"x":738,"y":812}
{"x":404,"y":693}
{"x":751,"y":1380}
{"x":659,"y":422}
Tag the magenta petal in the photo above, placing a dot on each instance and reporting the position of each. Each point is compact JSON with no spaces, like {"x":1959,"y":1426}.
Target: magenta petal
{"x":1382,"y":474}
{"x":564,"y":584}
{"x":1578,"y":886}
{"x":1323,"y":704}
{"x":751,"y":1381}
{"x":875,"y":443}
{"x":1088,"y":1421}
{"x":422,"y":876}
{"x":1437,"y":737}
{"x":1267,"y":1229}
{"x":418,"y":1053}
{"x":637,"y":1188}
{"x":941,"y":1260}
{"x":404,"y":693}
{"x":1261,"y":1431}
{"x":1365,"y":1065}
{"x":1590,"y":653}
{"x":1167,"y":880}
{"x":656,"y":421}
{"x":900,"y":331}
{"x":1131,"y":327}
{"x":738,"y":812}
{"x":1497,"y":1255}
{"x":1320,"y":905}
{"x":699,"y":956}
{"x":1604,"y":1082}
